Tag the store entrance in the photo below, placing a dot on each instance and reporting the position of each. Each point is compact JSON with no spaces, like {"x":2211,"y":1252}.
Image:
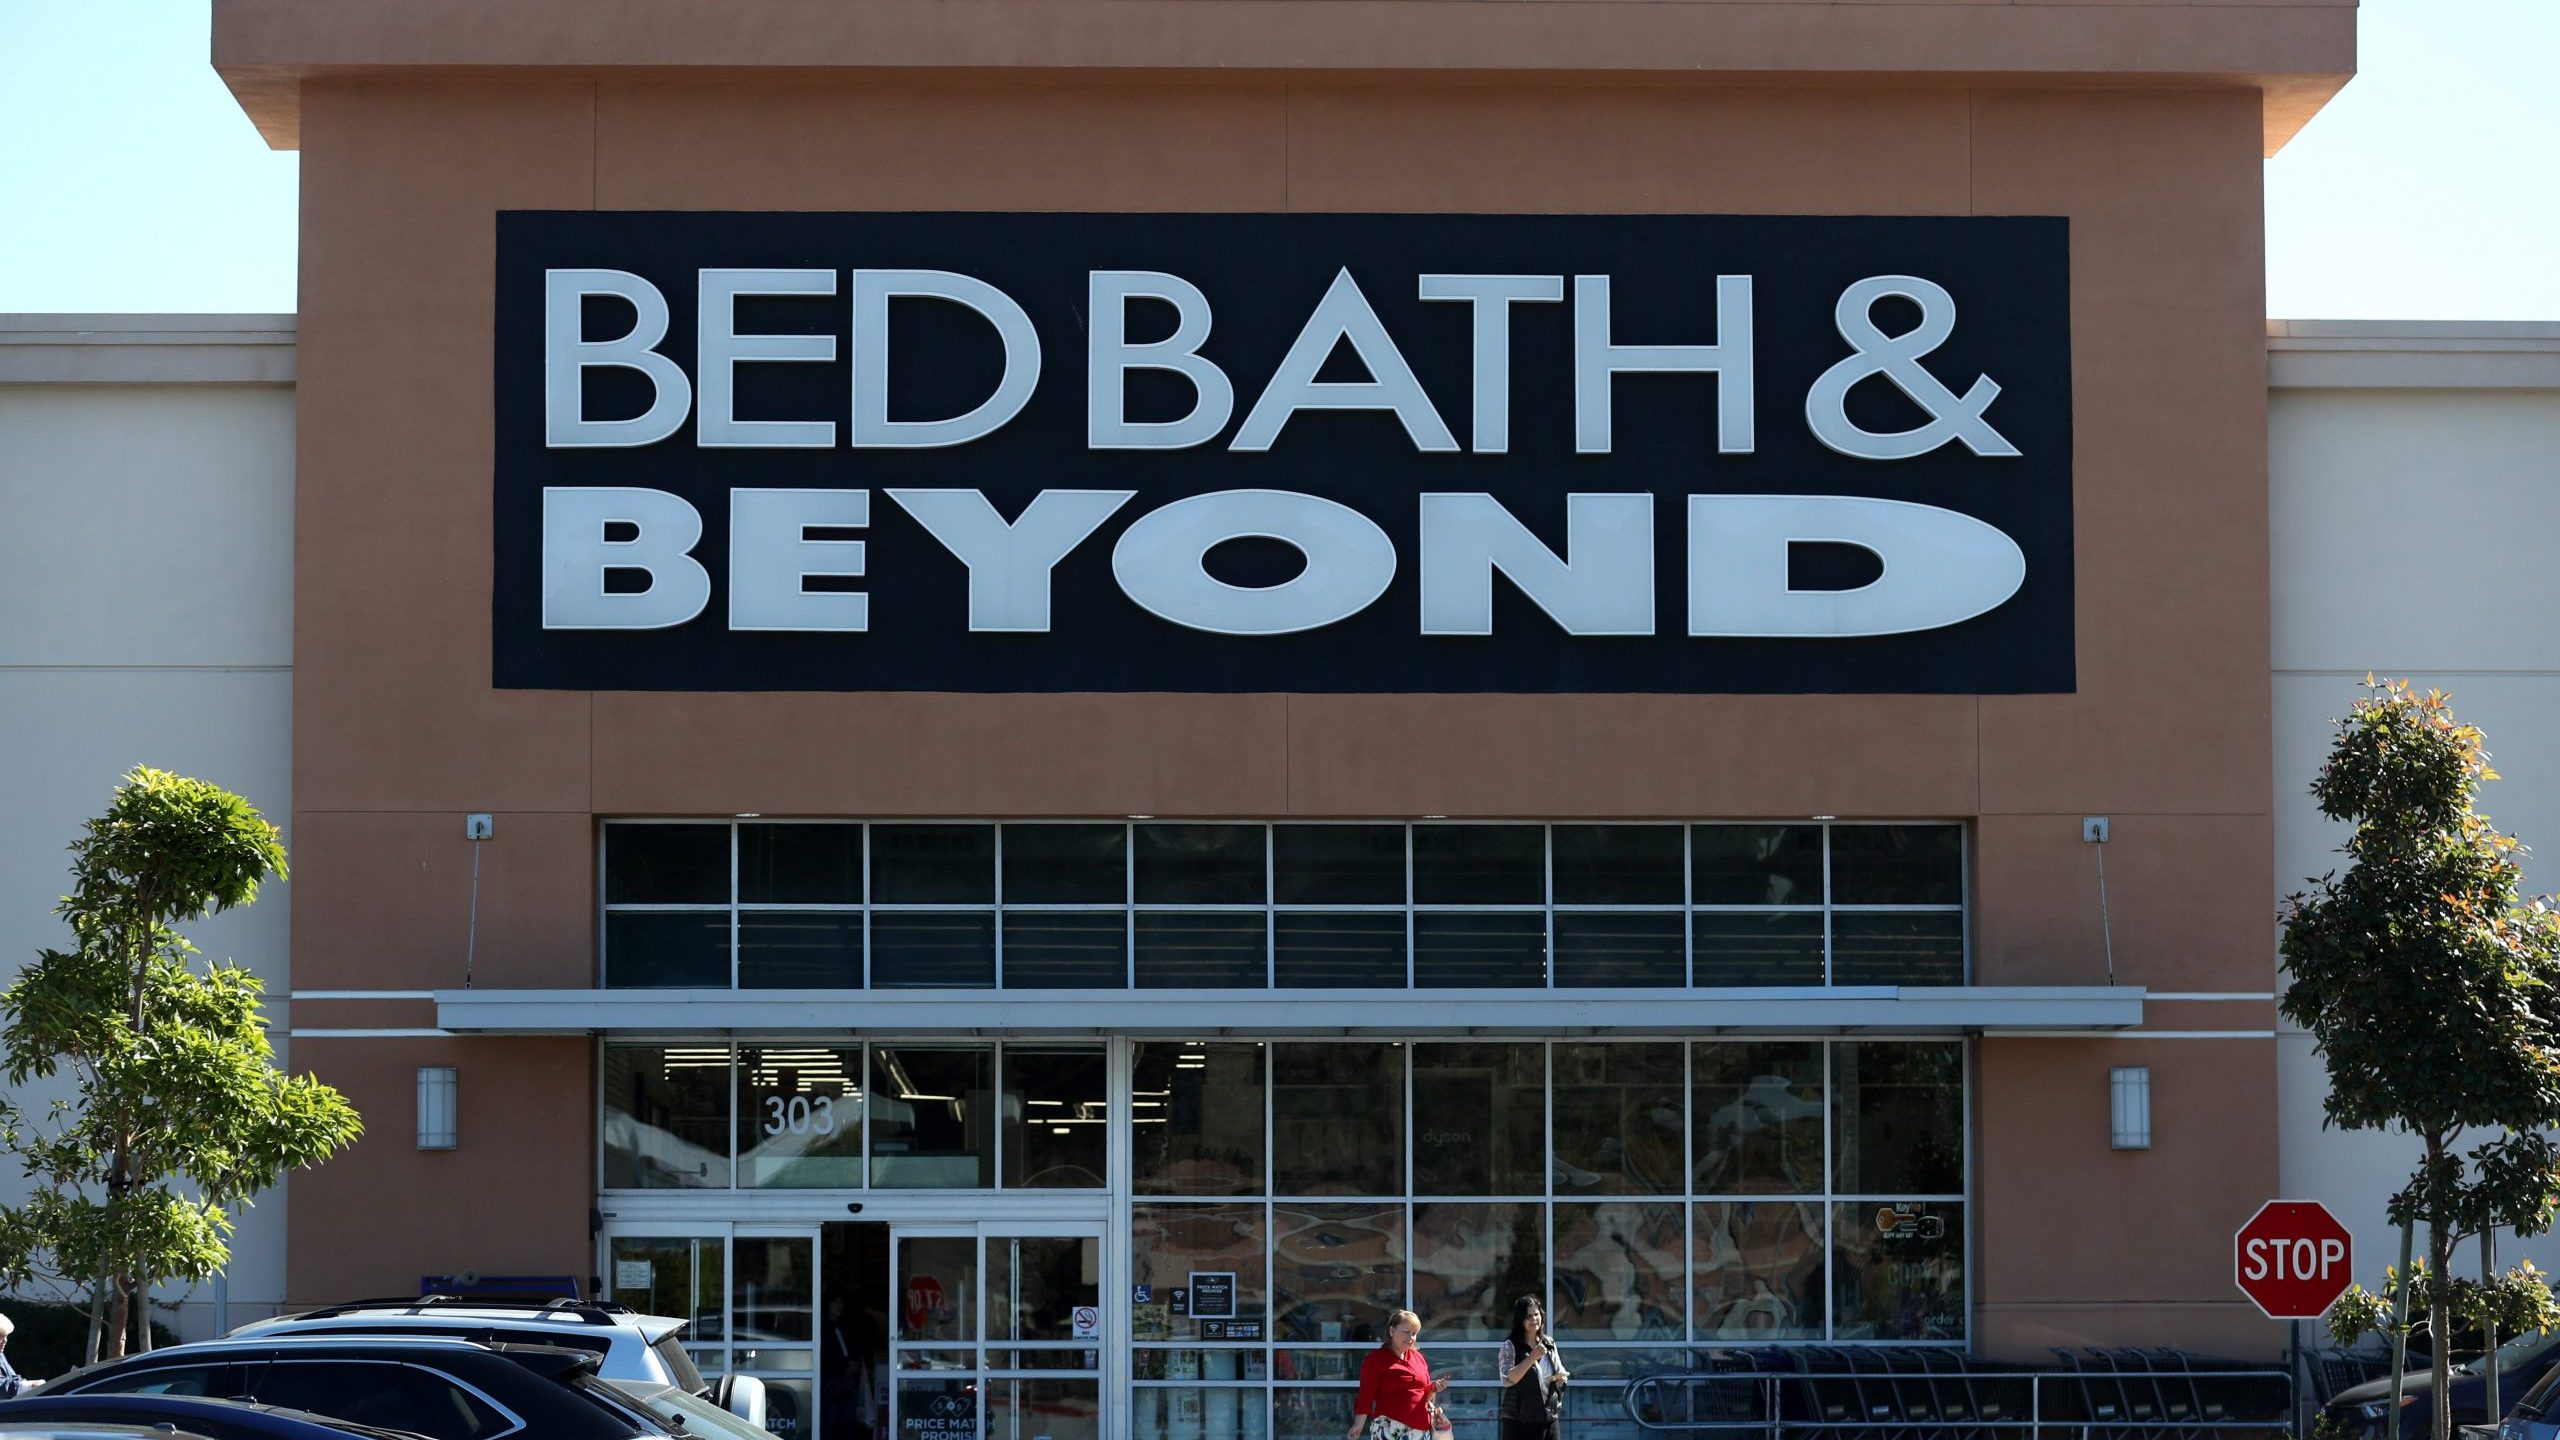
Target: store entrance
{"x":997,"y":1332}
{"x":853,"y":1331}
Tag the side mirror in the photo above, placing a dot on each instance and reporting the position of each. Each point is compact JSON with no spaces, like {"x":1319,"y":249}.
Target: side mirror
{"x":742,"y":1396}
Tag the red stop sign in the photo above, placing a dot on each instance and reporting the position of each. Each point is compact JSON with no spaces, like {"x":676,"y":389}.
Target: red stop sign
{"x":2293,"y":1259}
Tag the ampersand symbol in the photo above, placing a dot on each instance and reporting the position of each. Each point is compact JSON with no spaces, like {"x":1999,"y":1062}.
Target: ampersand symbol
{"x":1897,"y":358}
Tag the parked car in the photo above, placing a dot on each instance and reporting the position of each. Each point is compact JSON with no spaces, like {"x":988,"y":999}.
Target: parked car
{"x":640,"y":1349}
{"x":2522,"y":1362}
{"x":50,"y":1430}
{"x":192,"y":1414}
{"x":444,"y":1389}
{"x":2537,"y":1415}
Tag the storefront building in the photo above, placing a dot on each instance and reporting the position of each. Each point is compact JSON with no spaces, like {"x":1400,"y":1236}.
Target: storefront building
{"x":956,"y":549}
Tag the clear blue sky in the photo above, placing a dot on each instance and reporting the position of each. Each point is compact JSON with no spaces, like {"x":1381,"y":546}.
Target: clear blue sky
{"x":2430,"y":189}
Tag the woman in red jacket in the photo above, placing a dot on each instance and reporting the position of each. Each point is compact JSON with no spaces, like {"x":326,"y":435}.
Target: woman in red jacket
{"x":1396,"y":1389}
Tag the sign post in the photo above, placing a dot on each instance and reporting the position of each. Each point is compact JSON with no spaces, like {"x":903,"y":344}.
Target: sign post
{"x":2293,"y":1259}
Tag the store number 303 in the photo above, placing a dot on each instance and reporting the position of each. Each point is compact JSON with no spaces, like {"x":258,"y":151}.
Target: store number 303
{"x":800,"y":1115}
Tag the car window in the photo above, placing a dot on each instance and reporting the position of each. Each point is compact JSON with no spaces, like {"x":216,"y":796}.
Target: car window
{"x":669,"y":1348}
{"x":220,"y":1381}
{"x":403,"y":1397}
{"x":2537,"y":1401}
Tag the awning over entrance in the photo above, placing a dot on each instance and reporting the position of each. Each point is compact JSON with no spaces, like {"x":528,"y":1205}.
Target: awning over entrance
{"x":1882,"y":1009}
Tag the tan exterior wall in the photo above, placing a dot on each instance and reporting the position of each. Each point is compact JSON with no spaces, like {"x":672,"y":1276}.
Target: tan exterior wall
{"x":398,"y":731}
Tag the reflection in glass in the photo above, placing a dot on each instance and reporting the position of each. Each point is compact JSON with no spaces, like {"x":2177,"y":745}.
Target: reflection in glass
{"x":1622,"y":948}
{"x":1337,"y":1119}
{"x":933,"y":864}
{"x":1617,"y":864}
{"x":1066,"y":864}
{"x":1153,"y":1363}
{"x":1758,"y":948}
{"x":779,"y":950}
{"x":1053,"y":1117}
{"x":771,"y":1292}
{"x":1034,"y":1283}
{"x":1755,"y":864}
{"x":1054,"y":1407}
{"x":1177,"y":1412}
{"x":944,"y":1409}
{"x":1200,"y":864}
{"x":1897,"y":865}
{"x":1759,"y":1270}
{"x":666,"y":1117}
{"x":647,"y":948}
{"x":1307,"y":1413}
{"x":1483,"y":950}
{"x":686,"y":1278}
{"x":938,"y":1289}
{"x":1897,"y":1270}
{"x":928,"y":950}
{"x":1618,"y":1118}
{"x":1066,"y":950}
{"x":787,"y":1405}
{"x":666,"y":865}
{"x":1470,"y":1261}
{"x":1169,"y":1242}
{"x":1360,"y":950}
{"x":1885,"y":948}
{"x":1196,"y":1118}
{"x":930,"y":1112}
{"x":1479,"y":1119}
{"x":800,"y":864}
{"x":1620,"y":1270}
{"x":1335,"y":1269}
{"x":1479,"y":865}
{"x":1215,"y":949}
{"x":1897,"y":1117}
{"x":800,"y":1116}
{"x":1337,"y":864}
{"x":1759,"y":1117}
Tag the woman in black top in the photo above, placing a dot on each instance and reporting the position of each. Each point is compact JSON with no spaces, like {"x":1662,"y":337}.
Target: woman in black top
{"x":1533,"y":1375}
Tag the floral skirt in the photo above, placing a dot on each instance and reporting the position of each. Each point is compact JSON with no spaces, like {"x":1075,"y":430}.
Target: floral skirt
{"x":1383,"y":1428}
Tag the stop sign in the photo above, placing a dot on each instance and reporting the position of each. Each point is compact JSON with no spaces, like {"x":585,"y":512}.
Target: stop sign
{"x":2293,"y":1259}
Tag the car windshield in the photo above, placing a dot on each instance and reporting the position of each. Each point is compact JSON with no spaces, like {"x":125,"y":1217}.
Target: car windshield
{"x":690,"y":1414}
{"x":2520,"y":1352}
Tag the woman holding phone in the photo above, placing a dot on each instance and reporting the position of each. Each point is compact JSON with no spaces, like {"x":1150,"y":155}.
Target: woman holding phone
{"x":1533,"y":1375}
{"x":1397,"y":1399}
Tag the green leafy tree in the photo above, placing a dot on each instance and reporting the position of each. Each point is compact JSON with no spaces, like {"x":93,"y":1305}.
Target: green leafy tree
{"x":180,"y":1115}
{"x":2433,"y":991}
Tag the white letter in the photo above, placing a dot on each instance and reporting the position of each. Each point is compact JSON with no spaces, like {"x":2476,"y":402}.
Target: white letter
{"x":1595,"y":360}
{"x":770,"y":551}
{"x":2255,"y":1268}
{"x":576,"y":554}
{"x":1010,"y":565}
{"x":719,"y":348}
{"x":872,"y":290}
{"x":1492,"y":297}
{"x":1349,"y":562}
{"x":1940,"y":567}
{"x":1110,"y":356}
{"x":567,"y":355}
{"x":1605,"y":589}
{"x":1342,"y":314}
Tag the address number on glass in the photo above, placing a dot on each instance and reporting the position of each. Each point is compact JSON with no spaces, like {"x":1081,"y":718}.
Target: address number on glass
{"x":800,"y":1115}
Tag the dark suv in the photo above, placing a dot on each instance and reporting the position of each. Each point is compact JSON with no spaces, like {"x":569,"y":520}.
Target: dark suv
{"x":443,"y":1389}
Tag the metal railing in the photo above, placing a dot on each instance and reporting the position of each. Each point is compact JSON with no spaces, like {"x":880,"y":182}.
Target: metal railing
{"x":1944,"y":1396}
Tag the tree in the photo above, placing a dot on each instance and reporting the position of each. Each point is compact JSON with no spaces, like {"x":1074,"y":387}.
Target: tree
{"x":2433,"y":992}
{"x":180,"y":1114}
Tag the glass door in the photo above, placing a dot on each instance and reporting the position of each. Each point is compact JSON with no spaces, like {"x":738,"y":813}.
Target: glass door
{"x":998,"y":1332}
{"x":773,"y":1313}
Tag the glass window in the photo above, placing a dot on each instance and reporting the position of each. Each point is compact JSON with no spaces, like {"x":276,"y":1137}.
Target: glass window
{"x":1334,"y":1268}
{"x":160,"y":1380}
{"x":1360,"y":950}
{"x":1618,"y":1121}
{"x":929,"y":1109}
{"x":1203,"y":950}
{"x":933,"y":864}
{"x":1034,"y":1284}
{"x":1172,"y":1243}
{"x":939,"y":1275}
{"x":1883,"y":948}
{"x":1470,"y":1262}
{"x":666,"y":1117}
{"x":1759,"y":1270}
{"x":687,"y":1277}
{"x":781,"y":950}
{"x":666,"y":865}
{"x":1054,"y":1406}
{"x":1337,"y":1119}
{"x":1472,"y":951}
{"x":1053,"y":1117}
{"x":1897,"y":865}
{"x":1897,"y":1117}
{"x":1196,"y":1118}
{"x":1617,"y":864}
{"x":646,"y":948}
{"x":1066,"y":864}
{"x":1621,"y":948}
{"x":800,"y":1116}
{"x":800,"y":864}
{"x":1479,"y":1119}
{"x":1176,"y":1412}
{"x":368,"y":1392}
{"x":1758,"y":1117}
{"x":1897,"y":1270}
{"x":1200,"y":864}
{"x":1755,"y":864}
{"x":1337,"y":864}
{"x":1767,"y":948}
{"x":933,"y":949}
{"x":1156,"y":1362}
{"x":1066,"y":950}
{"x":1479,"y":865}
{"x":1621,"y":1270}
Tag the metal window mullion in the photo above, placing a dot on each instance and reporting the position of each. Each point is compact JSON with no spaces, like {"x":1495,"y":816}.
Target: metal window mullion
{"x":1270,"y":924}
{"x":1689,"y":904}
{"x":1412,"y":943}
{"x":863,"y":893}
{"x":1547,"y":899}
{"x":1689,"y":1182}
{"x":733,"y":1115}
{"x":1830,"y":1129}
{"x":997,"y":925}
{"x":735,"y":960}
{"x":1129,"y":897}
{"x":862,"y":1060}
{"x":996,"y":1070}
{"x":1826,"y":922}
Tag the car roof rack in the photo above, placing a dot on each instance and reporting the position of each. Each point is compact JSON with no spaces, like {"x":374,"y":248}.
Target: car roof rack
{"x":590,"y":1312}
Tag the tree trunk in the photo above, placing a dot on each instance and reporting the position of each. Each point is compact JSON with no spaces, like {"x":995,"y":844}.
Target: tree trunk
{"x":97,"y":1319}
{"x":2489,"y":1329}
{"x":2400,"y":1338}
{"x":119,"y":1319}
{"x":2439,"y":1318}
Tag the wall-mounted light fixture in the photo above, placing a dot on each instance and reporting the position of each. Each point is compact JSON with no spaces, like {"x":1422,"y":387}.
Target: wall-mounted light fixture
{"x":439,"y":1107}
{"x":2129,"y":1091}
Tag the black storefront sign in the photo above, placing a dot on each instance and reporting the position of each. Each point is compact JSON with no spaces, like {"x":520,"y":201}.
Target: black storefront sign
{"x":1386,"y":453}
